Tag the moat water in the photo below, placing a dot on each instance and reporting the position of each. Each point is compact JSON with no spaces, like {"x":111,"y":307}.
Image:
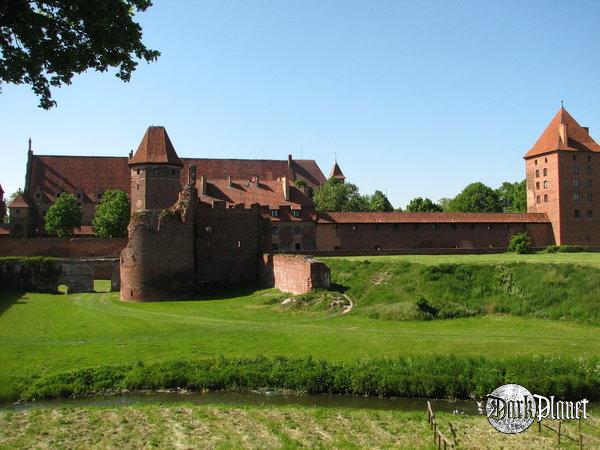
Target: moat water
{"x":250,"y":398}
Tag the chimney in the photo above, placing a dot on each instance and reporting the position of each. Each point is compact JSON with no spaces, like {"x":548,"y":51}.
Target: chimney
{"x":285,"y":184}
{"x":130,"y":154}
{"x":256,"y":181}
{"x":290,"y":161}
{"x":203,"y":184}
{"x":229,"y":184}
{"x":587,"y":129}
{"x":563,"y":133}
{"x":29,"y":150}
{"x":192,"y":174}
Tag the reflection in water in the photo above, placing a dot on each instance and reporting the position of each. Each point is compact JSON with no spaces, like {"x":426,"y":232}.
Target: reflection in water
{"x":259,"y":398}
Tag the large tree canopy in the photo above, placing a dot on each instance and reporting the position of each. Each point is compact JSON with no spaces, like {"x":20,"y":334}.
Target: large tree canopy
{"x":43,"y":43}
{"x":419,"y":204}
{"x":476,"y":197}
{"x":379,"y":202}
{"x":335,"y":195}
{"x":112,"y":214}
{"x":513,"y":196}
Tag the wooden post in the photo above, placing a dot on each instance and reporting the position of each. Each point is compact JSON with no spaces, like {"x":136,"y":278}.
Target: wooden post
{"x":580,"y":441}
{"x":540,"y":427}
{"x":559,"y":424}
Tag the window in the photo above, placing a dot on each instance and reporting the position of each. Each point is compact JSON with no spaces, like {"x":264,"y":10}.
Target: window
{"x":297,"y":230}
{"x":138,"y":187}
{"x":545,"y":198}
{"x":79,"y":195}
{"x":37,"y":195}
{"x":588,"y":182}
{"x":172,"y":171}
{"x":434,"y":226}
{"x":99,"y":195}
{"x":239,"y":244}
{"x":574,"y":158}
{"x":335,"y":226}
{"x":537,"y":184}
{"x":545,"y":172}
{"x":298,"y":246}
{"x":546,"y":184}
{"x":275,"y":230}
{"x":545,"y":160}
{"x":296,"y":213}
{"x":576,"y":196}
{"x":274,"y":213}
{"x":576,"y":170}
{"x":576,"y":214}
{"x":590,"y":214}
{"x":535,"y":162}
{"x":576,"y":182}
{"x":137,"y":171}
{"x":588,"y":170}
{"x":589,"y":158}
{"x":589,"y":196}
{"x":538,"y":199}
{"x":537,"y":173}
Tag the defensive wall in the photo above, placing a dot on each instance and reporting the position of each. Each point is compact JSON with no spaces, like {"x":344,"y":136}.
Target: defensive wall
{"x":62,"y":247}
{"x":296,"y":274}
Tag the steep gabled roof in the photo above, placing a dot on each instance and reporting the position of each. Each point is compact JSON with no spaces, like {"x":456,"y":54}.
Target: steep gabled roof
{"x":19,"y":202}
{"x":430,"y":217}
{"x":156,"y":148}
{"x":337,"y":172}
{"x":563,"y":133}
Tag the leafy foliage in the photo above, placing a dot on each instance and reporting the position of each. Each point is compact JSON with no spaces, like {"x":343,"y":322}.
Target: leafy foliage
{"x":476,"y":197}
{"x":419,"y":204}
{"x":519,"y":243}
{"x":378,"y":202}
{"x":43,"y":43}
{"x":112,"y":214}
{"x":335,"y":195}
{"x":63,"y":216}
{"x":513,"y":196}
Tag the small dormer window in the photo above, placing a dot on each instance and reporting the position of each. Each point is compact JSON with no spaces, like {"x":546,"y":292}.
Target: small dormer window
{"x":296,"y":213}
{"x":274,"y":213}
{"x":275,"y":230}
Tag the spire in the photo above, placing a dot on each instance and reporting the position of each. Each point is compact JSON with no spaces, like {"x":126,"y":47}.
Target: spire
{"x":336,"y":172}
{"x":156,"y":148}
{"x":563,"y":133}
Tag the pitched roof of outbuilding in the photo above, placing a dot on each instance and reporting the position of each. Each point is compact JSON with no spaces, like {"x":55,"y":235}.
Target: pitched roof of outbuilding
{"x":553,"y":138}
{"x":19,"y":202}
{"x":430,"y":217}
{"x":156,"y":148}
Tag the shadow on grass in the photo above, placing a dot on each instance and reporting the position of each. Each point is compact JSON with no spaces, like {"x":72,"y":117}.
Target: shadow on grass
{"x":219,"y":292}
{"x":8,"y":299}
{"x":338,"y":288}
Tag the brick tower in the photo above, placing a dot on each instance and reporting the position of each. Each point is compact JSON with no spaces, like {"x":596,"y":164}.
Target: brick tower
{"x":563,"y":180}
{"x":155,"y":172}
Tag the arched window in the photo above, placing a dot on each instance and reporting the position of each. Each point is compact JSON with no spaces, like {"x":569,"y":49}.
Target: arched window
{"x":546,"y":184}
{"x":545,"y":172}
{"x":538,"y":199}
{"x":537,"y":173}
{"x":545,"y":198}
{"x":537,"y":184}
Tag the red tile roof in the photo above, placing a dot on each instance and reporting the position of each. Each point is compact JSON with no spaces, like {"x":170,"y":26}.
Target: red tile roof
{"x":268,"y":193}
{"x":94,"y":174}
{"x":336,"y":172}
{"x":307,"y":169}
{"x":156,"y":148}
{"x":431,"y":217}
{"x":18,"y":202}
{"x":577,"y":137}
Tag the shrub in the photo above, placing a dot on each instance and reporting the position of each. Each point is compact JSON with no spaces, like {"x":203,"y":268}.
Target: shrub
{"x":519,"y":243}
{"x":565,"y":249}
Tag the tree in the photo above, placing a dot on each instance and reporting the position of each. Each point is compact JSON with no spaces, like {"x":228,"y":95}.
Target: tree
{"x":443,"y":202}
{"x":513,"y":196}
{"x":335,"y":195}
{"x":112,"y":214}
{"x":63,"y":216}
{"x":476,"y":197}
{"x":419,"y":204}
{"x":43,"y":43}
{"x":379,"y":202}
{"x":519,"y":243}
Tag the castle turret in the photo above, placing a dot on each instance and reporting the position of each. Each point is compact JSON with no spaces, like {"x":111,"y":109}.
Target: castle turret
{"x":563,"y":180}
{"x":155,"y":172}
{"x":336,"y":172}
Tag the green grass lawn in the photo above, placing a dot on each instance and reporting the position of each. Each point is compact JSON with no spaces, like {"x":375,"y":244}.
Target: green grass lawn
{"x":584,"y":258}
{"x":41,"y":333}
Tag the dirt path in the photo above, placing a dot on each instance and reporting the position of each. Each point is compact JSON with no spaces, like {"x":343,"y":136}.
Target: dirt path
{"x":348,"y":308}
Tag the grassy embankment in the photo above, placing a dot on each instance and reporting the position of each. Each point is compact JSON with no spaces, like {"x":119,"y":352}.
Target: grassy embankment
{"x":218,"y":426}
{"x":44,"y":334}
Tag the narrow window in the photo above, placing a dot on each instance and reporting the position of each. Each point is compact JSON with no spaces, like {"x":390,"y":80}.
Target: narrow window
{"x":546,"y":184}
{"x":298,"y":246}
{"x":589,"y":196}
{"x":296,"y":213}
{"x":588,"y":169}
{"x":590,"y":214}
{"x":576,"y":213}
{"x":576,"y":170}
{"x":545,"y":172}
{"x":537,"y":199}
{"x":576,"y":196}
{"x":545,"y":198}
{"x":545,"y":160}
{"x":574,"y":158}
{"x":589,"y":158}
{"x":137,"y":171}
{"x":535,"y":162}
{"x":588,"y":182}
{"x":576,"y":182}
{"x":537,"y":173}
{"x":274,"y":213}
{"x":537,"y":184}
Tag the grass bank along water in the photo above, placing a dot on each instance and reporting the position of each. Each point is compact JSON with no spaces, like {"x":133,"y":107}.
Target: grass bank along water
{"x":387,"y":288}
{"x":422,"y":376}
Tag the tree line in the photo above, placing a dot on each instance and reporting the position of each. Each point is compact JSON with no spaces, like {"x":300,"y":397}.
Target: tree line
{"x":336,"y":195}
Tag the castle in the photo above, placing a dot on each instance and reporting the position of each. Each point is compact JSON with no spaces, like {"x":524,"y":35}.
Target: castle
{"x":271,"y":201}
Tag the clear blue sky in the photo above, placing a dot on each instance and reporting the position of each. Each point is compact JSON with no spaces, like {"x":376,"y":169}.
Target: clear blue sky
{"x":419,"y":98}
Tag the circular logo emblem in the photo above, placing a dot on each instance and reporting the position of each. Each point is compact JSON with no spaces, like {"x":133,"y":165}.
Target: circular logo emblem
{"x":510,"y":409}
